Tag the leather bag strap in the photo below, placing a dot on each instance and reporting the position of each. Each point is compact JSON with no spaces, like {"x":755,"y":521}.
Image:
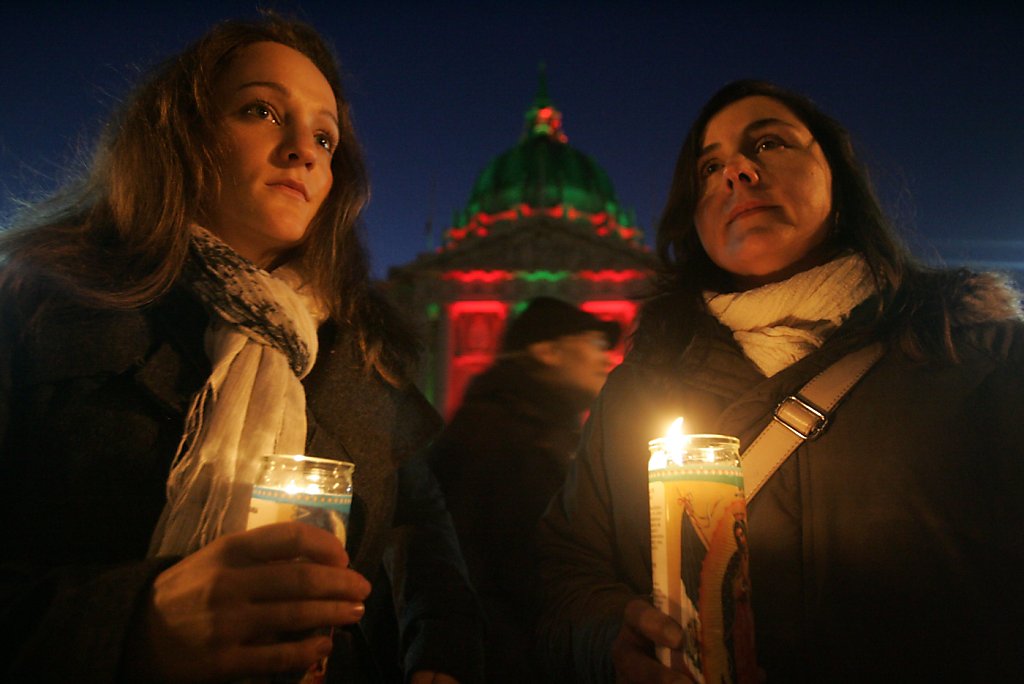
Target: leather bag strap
{"x":803,"y":416}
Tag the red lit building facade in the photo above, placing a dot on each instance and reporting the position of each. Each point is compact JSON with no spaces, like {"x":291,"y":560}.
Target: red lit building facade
{"x":542,"y":219}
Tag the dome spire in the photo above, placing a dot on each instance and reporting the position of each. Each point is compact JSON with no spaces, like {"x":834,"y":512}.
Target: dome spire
{"x":543,"y":119}
{"x":542,"y":100}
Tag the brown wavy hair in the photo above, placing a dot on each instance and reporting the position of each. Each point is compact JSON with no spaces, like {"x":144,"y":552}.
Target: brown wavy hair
{"x":117,"y":237}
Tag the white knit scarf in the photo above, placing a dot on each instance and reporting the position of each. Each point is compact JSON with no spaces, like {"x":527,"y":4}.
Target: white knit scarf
{"x":778,"y":324}
{"x":261,"y":341}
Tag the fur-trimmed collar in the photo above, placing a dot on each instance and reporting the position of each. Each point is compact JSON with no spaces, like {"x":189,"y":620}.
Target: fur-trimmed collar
{"x":983,"y":298}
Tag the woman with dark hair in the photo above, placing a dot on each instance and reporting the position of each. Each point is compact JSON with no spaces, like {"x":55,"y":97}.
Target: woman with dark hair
{"x":200,"y":298}
{"x":878,"y":550}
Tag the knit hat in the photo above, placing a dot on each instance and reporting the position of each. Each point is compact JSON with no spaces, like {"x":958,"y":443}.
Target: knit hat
{"x":547,"y":318}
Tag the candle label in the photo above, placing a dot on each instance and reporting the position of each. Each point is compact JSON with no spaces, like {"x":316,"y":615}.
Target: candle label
{"x":326,"y":511}
{"x":700,"y":569}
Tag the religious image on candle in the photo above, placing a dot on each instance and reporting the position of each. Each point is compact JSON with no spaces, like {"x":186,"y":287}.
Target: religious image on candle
{"x":699,"y":554}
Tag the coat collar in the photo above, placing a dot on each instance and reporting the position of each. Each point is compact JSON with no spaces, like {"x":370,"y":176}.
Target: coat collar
{"x":177,"y":366}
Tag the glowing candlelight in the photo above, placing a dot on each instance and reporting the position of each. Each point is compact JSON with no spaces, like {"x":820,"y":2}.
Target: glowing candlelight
{"x":292,"y":488}
{"x":669,"y":450}
{"x":698,"y":519}
{"x":675,"y":440}
{"x":311,"y":482}
{"x":315,"y":491}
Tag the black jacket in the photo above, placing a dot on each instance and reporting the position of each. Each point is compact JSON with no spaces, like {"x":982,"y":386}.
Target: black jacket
{"x":92,"y":405}
{"x":500,"y":459}
{"x":889,"y":549}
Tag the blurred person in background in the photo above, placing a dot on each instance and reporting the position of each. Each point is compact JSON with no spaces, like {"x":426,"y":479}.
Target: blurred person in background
{"x":505,"y":453}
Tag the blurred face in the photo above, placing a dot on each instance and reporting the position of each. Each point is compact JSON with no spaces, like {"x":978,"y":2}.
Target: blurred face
{"x":766,"y":193}
{"x":280,"y":118}
{"x":582,"y":362}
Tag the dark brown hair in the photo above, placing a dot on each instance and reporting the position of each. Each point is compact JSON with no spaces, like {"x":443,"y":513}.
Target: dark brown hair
{"x":914,"y":302}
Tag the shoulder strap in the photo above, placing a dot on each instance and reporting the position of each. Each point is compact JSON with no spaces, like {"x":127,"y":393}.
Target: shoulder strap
{"x":803,"y":416}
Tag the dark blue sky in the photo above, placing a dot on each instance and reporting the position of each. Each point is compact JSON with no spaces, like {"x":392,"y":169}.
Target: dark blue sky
{"x":932,"y":95}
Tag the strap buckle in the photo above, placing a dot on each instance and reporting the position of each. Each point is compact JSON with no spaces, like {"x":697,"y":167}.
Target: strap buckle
{"x":800,"y":417}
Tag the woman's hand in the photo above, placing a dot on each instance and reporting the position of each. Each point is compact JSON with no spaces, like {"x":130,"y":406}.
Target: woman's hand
{"x":227,"y":610}
{"x":643,"y":624}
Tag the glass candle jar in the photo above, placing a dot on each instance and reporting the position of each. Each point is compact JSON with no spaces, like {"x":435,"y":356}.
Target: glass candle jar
{"x":699,"y":555}
{"x":317,"y":491}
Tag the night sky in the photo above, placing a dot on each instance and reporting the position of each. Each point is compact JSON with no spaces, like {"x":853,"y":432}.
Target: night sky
{"x":934,"y":96}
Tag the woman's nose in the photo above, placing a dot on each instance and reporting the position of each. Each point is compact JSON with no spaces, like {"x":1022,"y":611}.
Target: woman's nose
{"x":740,"y":169}
{"x":299,"y":147}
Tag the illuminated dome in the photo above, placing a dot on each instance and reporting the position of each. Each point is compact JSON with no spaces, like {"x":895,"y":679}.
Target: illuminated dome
{"x":545,"y":175}
{"x":542,"y":171}
{"x":542,"y":220}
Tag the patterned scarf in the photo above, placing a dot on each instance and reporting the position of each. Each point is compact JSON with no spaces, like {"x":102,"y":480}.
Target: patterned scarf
{"x":778,"y":324}
{"x":261,"y":342}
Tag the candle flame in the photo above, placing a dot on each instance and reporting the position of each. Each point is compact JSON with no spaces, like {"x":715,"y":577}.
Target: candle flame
{"x":293,"y":488}
{"x":670,"y":448}
{"x":675,"y":439}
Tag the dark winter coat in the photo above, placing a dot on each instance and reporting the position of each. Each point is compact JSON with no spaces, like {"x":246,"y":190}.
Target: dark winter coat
{"x":92,"y":405}
{"x":889,"y":549}
{"x":500,"y":459}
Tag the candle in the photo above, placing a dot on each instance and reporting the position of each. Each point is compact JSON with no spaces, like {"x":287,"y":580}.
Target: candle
{"x":317,"y":491}
{"x":699,"y":555}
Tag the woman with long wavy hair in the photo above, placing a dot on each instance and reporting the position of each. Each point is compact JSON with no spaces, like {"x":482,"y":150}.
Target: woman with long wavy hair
{"x":198,"y":299}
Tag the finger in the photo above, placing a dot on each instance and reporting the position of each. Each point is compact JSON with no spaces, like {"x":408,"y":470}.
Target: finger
{"x":305,"y":580}
{"x":283,"y":619}
{"x":654,"y":625}
{"x":285,"y":541}
{"x":634,"y":666}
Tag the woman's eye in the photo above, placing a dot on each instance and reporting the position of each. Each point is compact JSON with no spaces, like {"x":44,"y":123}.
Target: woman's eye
{"x":325,"y":141}
{"x":709,"y":168}
{"x":262,"y":110}
{"x":769,"y":142}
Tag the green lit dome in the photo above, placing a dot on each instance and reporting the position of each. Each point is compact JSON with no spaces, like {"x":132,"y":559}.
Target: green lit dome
{"x":543,"y":171}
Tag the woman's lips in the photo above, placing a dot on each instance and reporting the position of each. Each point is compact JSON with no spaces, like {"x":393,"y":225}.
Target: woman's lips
{"x":746,"y":209}
{"x":292,"y":188}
